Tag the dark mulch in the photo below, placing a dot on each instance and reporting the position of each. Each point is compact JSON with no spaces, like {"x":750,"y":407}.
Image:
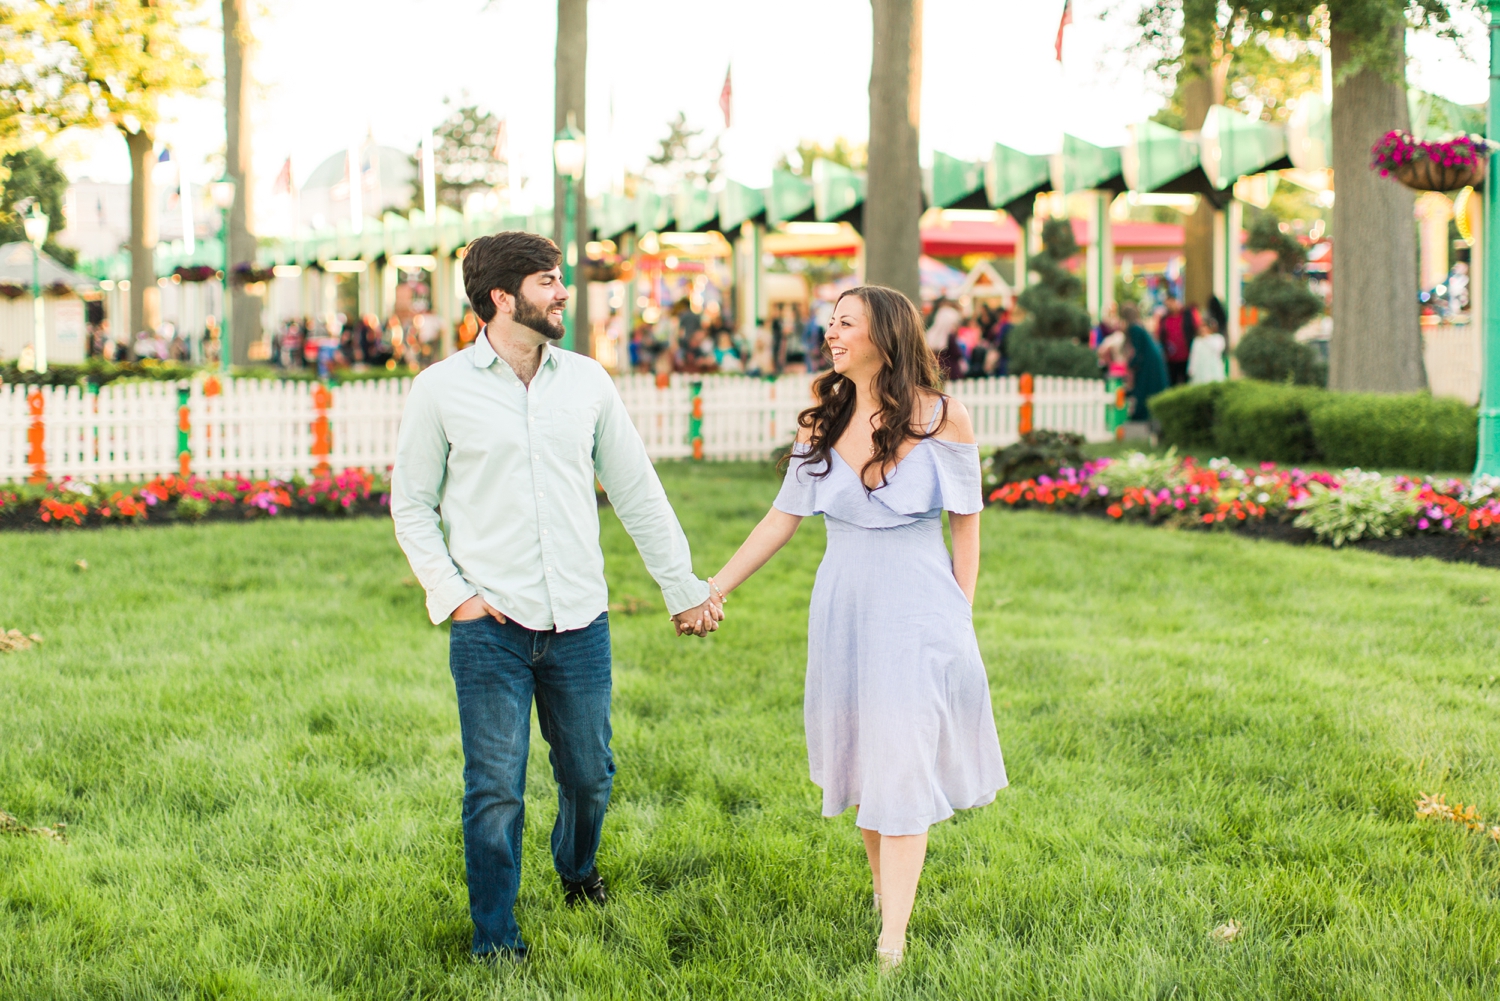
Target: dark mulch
{"x":1438,"y":547}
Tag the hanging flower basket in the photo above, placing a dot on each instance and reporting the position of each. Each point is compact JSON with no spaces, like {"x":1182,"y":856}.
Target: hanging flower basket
{"x":1432,"y":166}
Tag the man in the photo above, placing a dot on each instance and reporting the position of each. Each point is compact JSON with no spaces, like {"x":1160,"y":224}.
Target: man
{"x":1175,"y":334}
{"x":493,"y":500}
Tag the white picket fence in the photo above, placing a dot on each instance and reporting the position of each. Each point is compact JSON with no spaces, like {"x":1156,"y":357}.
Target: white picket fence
{"x":261,"y":427}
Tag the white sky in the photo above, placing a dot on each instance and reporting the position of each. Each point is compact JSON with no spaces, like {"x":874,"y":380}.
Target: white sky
{"x":328,"y":71}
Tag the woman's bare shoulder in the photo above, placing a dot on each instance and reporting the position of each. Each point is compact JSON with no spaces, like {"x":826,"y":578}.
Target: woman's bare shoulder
{"x":958,"y":426}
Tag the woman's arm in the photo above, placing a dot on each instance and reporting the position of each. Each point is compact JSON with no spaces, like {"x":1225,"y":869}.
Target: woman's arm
{"x":965,"y":529}
{"x":773,"y":532}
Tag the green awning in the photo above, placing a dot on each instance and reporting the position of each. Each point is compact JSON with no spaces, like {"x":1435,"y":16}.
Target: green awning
{"x":695,"y":207}
{"x":789,"y":197}
{"x":1013,"y":179}
{"x":1235,"y":145}
{"x":613,"y":216}
{"x":837,"y":190}
{"x":653,"y":213}
{"x":1156,"y":156}
{"x":952,"y":180}
{"x":738,"y":203}
{"x":1309,"y":134}
{"x":1082,"y":166}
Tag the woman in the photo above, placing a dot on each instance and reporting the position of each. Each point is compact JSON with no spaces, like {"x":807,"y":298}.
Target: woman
{"x":1148,"y":369}
{"x":897,"y":706}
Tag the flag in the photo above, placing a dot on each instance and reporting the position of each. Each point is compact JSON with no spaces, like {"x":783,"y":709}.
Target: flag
{"x":283,"y":185}
{"x":1067,"y":19}
{"x":725,"y":95}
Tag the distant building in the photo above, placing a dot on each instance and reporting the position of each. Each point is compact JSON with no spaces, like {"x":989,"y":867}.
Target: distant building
{"x":387,"y":175}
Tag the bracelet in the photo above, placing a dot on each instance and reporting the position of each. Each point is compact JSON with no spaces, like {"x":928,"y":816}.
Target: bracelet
{"x":723,"y":599}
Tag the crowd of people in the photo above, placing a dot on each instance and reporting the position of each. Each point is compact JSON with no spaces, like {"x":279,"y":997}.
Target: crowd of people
{"x":1180,"y":345}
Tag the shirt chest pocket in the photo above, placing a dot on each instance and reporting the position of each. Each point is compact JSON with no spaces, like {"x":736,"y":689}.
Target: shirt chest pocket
{"x":570,"y":434}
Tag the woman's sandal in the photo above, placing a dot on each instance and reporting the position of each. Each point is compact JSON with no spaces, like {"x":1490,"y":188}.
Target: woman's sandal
{"x":888,"y":959}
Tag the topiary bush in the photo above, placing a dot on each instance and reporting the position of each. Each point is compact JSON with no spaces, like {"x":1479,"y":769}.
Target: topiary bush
{"x":1410,"y":431}
{"x":1052,"y":339}
{"x":1186,"y":414}
{"x":1266,"y":421}
{"x":1270,"y":350}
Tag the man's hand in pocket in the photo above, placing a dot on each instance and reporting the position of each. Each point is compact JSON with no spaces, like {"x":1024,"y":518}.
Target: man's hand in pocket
{"x":476,"y":608}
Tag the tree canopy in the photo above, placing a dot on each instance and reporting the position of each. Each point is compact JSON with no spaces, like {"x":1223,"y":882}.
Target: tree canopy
{"x":467,"y":156}
{"x":33,"y":177}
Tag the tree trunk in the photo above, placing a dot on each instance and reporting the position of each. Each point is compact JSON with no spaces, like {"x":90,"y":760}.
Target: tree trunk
{"x":1377,"y":342}
{"x":145,"y":296}
{"x":1199,"y":28}
{"x":893,"y":205}
{"x":245,"y":309}
{"x":572,"y":57}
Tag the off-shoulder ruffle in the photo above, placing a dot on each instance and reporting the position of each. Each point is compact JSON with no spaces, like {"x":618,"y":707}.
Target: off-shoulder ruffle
{"x":935,"y":476}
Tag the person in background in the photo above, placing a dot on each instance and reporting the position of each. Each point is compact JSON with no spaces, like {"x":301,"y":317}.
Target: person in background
{"x":697,"y":355}
{"x":945,"y":320}
{"x":726,"y":353}
{"x":1148,"y":369}
{"x":1206,"y":361}
{"x":812,"y":342}
{"x":796,"y":353}
{"x":1114,"y":358}
{"x":1173,"y":333}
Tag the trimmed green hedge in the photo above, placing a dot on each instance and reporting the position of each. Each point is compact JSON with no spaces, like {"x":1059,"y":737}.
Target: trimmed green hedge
{"x":1290,"y":424}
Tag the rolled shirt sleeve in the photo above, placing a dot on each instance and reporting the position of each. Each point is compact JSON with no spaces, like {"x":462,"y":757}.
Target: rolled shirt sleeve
{"x":416,"y":493}
{"x":625,"y":471}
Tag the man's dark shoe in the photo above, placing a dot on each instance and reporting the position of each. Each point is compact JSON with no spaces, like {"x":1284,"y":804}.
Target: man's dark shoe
{"x":590,"y":889}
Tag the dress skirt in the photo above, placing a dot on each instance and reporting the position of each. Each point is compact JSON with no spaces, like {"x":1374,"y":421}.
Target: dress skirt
{"x":897,"y":705}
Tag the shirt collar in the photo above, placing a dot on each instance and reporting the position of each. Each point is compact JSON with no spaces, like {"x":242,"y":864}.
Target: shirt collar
{"x":484,"y":352}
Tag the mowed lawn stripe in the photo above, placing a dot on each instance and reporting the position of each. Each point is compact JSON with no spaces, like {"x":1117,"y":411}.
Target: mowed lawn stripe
{"x":250,"y":733}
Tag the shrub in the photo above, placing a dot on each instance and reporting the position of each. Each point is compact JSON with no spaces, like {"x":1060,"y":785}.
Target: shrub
{"x":1273,"y":355}
{"x":1368,"y":507}
{"x":1186,"y":414}
{"x":1413,"y":431}
{"x":1050,"y":340}
{"x":1270,"y":350}
{"x":1038,"y":453}
{"x":1266,"y":421}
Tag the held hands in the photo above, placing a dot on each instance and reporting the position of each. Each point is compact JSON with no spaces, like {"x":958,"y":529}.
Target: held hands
{"x":476,"y":607}
{"x":700,"y":620}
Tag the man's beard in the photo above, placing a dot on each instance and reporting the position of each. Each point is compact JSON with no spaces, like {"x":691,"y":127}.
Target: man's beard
{"x":529,"y":315}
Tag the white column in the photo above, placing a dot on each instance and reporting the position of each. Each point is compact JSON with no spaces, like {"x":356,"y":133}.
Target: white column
{"x":1100,"y":259}
{"x":1234,"y":222}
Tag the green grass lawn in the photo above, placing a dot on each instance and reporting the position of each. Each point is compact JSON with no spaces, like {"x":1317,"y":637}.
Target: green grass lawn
{"x":250,"y":732}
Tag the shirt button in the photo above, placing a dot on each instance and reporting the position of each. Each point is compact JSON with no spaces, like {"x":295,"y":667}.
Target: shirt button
{"x":539,"y":493}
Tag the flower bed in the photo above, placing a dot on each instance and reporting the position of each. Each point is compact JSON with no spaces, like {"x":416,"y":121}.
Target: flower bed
{"x":1338,"y":508}
{"x":75,"y":504}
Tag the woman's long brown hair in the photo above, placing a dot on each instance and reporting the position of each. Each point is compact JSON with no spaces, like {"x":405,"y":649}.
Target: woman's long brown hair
{"x":909,"y":366}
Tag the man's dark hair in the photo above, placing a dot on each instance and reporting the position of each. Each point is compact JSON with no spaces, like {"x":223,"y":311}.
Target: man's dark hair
{"x":503,"y":261}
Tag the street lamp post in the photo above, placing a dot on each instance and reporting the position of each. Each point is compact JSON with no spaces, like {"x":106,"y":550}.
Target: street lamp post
{"x":221,"y":192}
{"x":1489,"y":403}
{"x":37,"y":225}
{"x":569,"y":155}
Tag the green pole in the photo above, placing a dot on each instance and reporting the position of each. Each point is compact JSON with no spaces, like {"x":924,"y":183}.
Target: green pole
{"x":568,"y":245}
{"x":1488,"y":463}
{"x":226,"y":352}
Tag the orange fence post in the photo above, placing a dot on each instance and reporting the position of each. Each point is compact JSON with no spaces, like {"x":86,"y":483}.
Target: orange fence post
{"x":1026,"y":407}
{"x":36,"y":437}
{"x":322,"y":445}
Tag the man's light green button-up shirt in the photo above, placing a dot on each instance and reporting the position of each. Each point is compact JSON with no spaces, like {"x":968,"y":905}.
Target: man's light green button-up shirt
{"x":493,"y":490}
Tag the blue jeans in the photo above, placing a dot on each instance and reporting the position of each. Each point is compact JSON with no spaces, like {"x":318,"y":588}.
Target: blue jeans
{"x":496,"y":671}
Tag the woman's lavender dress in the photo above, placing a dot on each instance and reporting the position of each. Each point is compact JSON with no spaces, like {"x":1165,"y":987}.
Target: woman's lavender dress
{"x":898,"y":706}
